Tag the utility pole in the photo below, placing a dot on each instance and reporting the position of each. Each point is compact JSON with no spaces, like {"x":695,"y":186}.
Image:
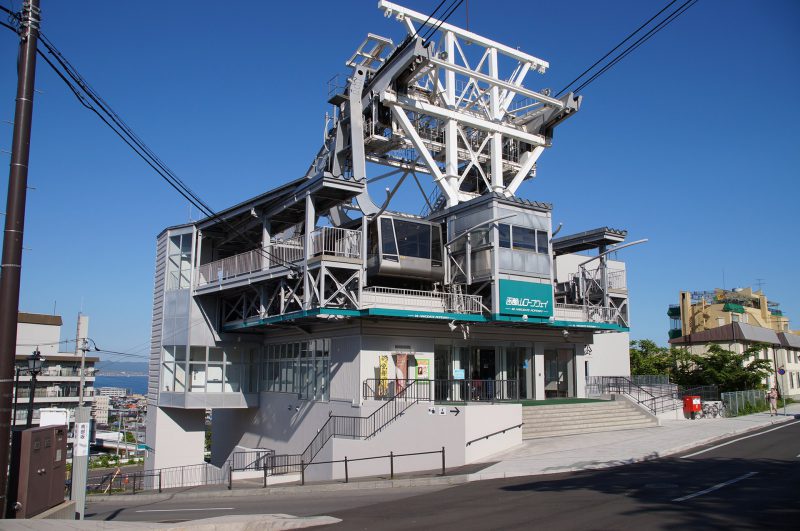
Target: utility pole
{"x":15,"y":223}
{"x":83,"y":415}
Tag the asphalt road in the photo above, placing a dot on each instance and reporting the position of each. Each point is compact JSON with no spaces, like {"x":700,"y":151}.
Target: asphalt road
{"x":747,"y":482}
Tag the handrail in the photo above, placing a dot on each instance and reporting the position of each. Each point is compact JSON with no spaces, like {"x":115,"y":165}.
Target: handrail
{"x":624,"y":385}
{"x":494,"y":433}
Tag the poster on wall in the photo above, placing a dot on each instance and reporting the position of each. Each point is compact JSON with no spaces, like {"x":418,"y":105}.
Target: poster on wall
{"x":423,"y":369}
{"x":401,"y":366}
{"x":383,"y":374}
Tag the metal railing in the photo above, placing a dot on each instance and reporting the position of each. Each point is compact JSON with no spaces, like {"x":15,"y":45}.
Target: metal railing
{"x":251,"y":459}
{"x":287,"y":250}
{"x":577,"y":312}
{"x":335,"y":241}
{"x":744,"y":402}
{"x":120,"y":482}
{"x":435,"y":301}
{"x":230,"y":267}
{"x":350,"y":427}
{"x":605,"y":385}
{"x":471,"y":390}
{"x":391,"y":456}
{"x":388,"y":388}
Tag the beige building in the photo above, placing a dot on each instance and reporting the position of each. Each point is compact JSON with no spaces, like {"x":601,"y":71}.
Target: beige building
{"x":736,"y":320}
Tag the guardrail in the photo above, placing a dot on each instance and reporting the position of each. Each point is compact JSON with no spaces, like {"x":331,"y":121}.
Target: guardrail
{"x":591,"y":314}
{"x":335,"y":241}
{"x":432,"y":301}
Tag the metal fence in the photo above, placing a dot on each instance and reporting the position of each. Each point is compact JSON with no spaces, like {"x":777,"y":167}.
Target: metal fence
{"x":467,"y":390}
{"x":708,"y":393}
{"x":120,"y":482}
{"x":650,"y":379}
{"x":744,"y":402}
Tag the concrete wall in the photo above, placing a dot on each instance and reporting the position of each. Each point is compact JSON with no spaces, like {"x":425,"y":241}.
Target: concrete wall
{"x":419,"y":431}
{"x":610,"y":355}
{"x":46,"y":336}
{"x":179,"y":439}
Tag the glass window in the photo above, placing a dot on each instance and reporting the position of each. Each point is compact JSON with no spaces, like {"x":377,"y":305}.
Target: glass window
{"x":479,"y":237}
{"x":215,"y":354}
{"x":388,"y":245}
{"x":436,"y":245}
{"x":413,"y":239}
{"x":541,"y":241}
{"x":524,"y":239}
{"x":504,"y":235}
{"x":197,"y":354}
{"x":197,"y":374}
{"x":179,"y":262}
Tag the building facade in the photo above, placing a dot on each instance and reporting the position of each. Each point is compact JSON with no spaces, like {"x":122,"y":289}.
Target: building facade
{"x":310,"y":304}
{"x":737,"y":320}
{"x":58,"y":384}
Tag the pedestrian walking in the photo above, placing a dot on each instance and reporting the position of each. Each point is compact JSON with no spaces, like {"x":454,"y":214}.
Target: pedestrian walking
{"x":772,"y":398}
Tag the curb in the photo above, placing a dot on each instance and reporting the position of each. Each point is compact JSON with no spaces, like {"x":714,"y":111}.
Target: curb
{"x":423,"y":482}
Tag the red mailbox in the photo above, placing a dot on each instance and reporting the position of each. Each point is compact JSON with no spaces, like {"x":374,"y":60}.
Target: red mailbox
{"x":692,"y":405}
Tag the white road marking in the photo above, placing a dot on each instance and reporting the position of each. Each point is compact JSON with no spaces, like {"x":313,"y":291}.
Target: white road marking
{"x":740,"y":439}
{"x":176,"y":510}
{"x":715,"y":487}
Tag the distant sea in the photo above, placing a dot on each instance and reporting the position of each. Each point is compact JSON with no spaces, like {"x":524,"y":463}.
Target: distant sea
{"x":136,"y":384}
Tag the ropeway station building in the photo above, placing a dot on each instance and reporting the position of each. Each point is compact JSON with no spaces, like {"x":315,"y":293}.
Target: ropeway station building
{"x":317,"y":321}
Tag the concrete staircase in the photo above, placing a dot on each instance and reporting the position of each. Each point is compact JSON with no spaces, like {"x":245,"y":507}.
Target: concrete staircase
{"x":587,"y":417}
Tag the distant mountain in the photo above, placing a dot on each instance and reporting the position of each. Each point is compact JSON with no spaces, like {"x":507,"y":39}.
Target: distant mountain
{"x":116,"y":367}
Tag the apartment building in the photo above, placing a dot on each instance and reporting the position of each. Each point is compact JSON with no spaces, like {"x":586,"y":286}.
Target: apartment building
{"x":736,"y":320}
{"x":58,"y":383}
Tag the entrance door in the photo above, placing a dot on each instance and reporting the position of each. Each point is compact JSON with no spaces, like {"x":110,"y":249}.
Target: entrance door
{"x":486,"y":364}
{"x":443,"y":372}
{"x":559,"y":376}
{"x":516,"y":373}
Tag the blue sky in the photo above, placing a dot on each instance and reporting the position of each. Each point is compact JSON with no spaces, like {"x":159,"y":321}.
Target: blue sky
{"x":691,"y":141}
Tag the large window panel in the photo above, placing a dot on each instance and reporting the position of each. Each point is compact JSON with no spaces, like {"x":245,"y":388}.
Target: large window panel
{"x":524,"y":239}
{"x":413,"y":239}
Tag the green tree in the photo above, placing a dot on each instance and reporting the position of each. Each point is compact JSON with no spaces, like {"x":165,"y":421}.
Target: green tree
{"x":648,"y":358}
{"x":725,"y":368}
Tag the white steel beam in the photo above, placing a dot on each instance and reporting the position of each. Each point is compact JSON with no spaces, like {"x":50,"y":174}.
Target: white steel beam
{"x":451,"y":126}
{"x":497,"y":82}
{"x":389,"y":8}
{"x":496,"y":143}
{"x":411,"y":132}
{"x":527,"y":162}
{"x":473,"y":121}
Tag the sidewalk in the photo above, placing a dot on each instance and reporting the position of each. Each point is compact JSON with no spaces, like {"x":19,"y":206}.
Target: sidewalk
{"x":606,"y":449}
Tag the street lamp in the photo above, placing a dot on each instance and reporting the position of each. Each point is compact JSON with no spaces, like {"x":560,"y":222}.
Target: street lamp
{"x":34,"y":368}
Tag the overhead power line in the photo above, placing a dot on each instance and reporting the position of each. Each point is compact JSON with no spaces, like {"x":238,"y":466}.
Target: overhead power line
{"x":663,"y":24}
{"x":632,"y":47}
{"x":90,"y":99}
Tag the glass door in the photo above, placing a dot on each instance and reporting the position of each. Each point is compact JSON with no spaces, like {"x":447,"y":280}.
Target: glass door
{"x":559,"y":376}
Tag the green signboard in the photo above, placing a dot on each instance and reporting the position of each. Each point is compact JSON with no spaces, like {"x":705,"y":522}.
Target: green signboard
{"x":526,"y":298}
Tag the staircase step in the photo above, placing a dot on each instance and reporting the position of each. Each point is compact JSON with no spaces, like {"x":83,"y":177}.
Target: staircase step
{"x":561,"y":433}
{"x":617,"y":417}
{"x":588,"y":423}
